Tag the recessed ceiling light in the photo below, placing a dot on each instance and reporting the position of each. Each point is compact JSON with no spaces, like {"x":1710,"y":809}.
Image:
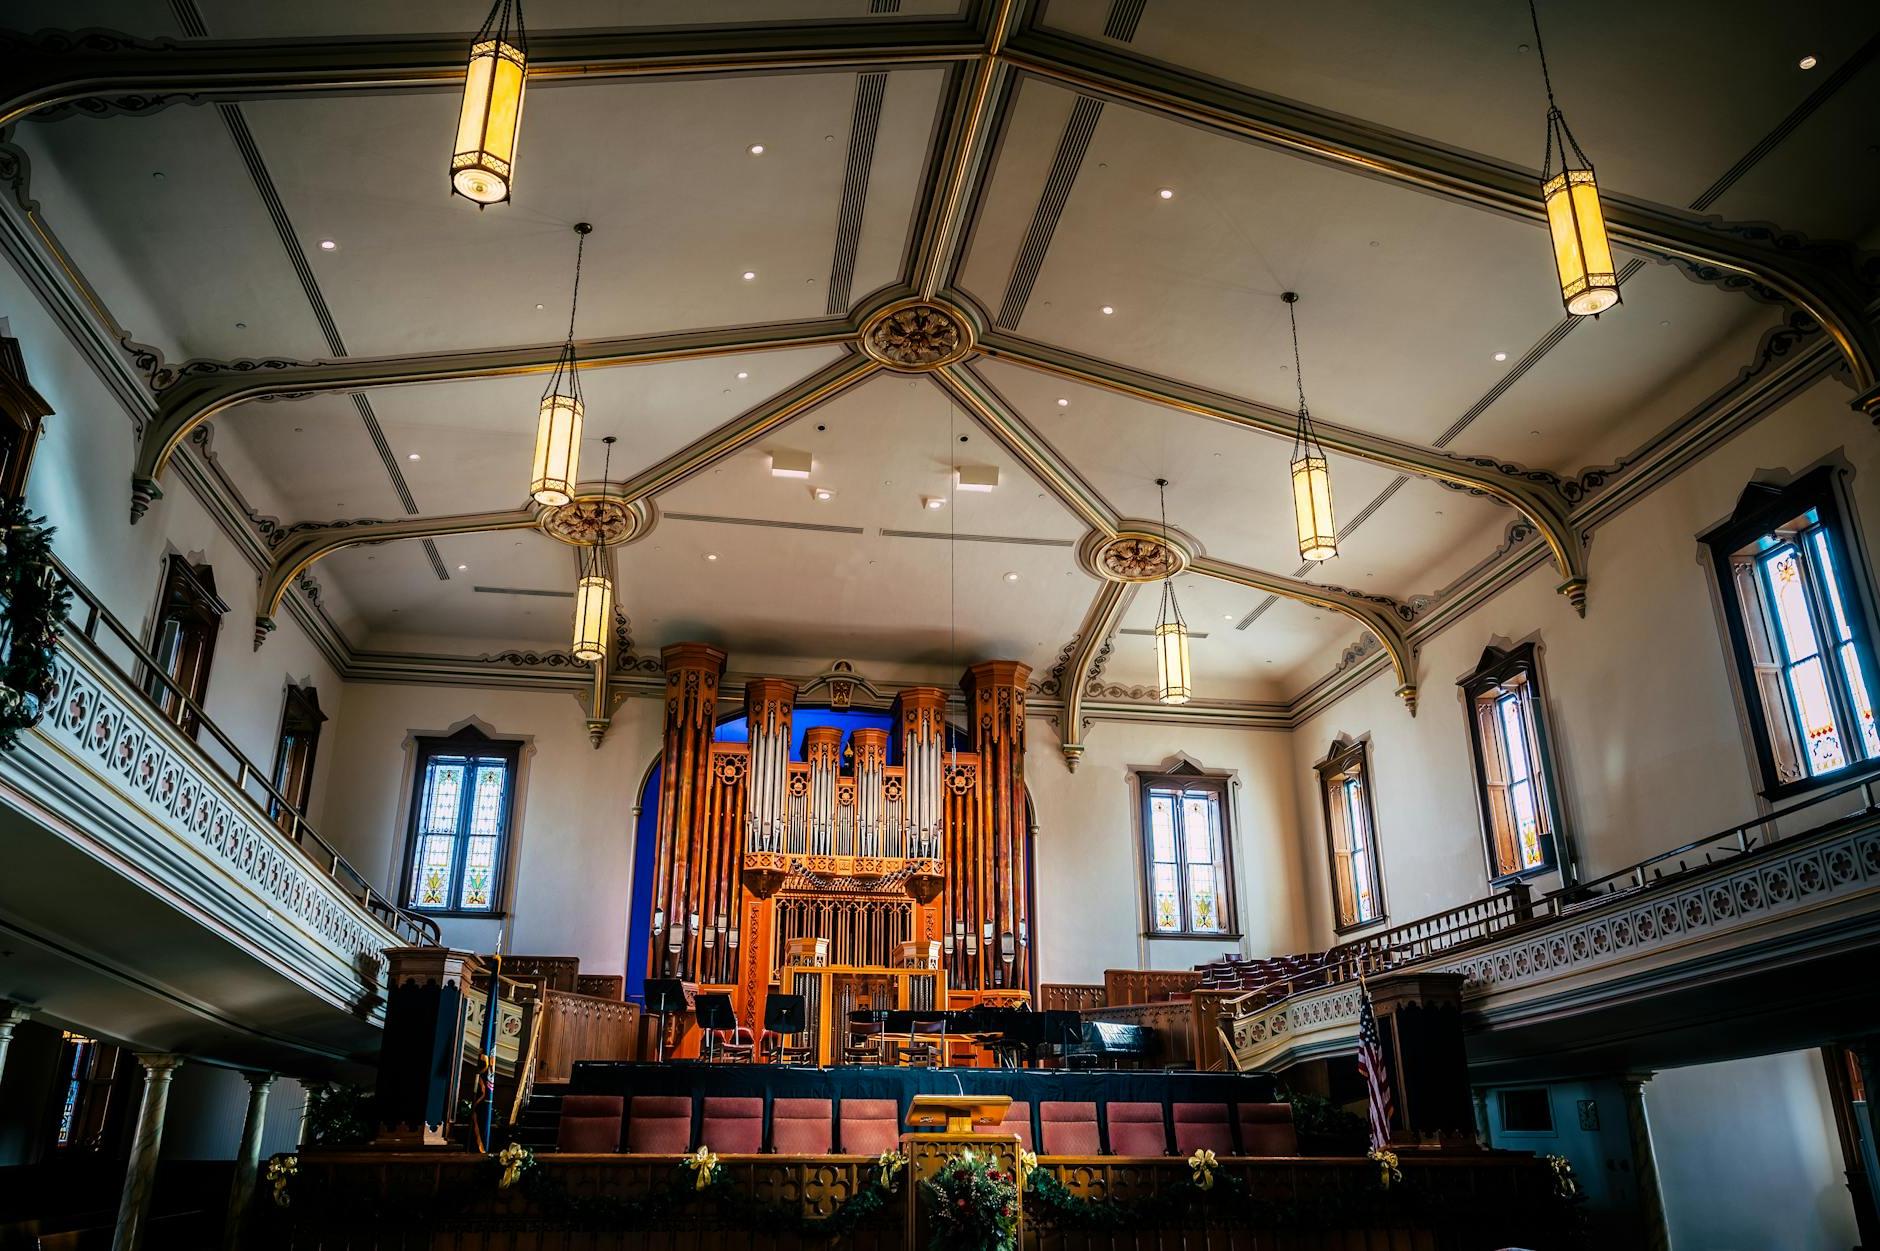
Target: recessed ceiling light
{"x":462,"y":568}
{"x":932,"y":502}
{"x":1011,"y":577}
{"x":1808,"y":62}
{"x":750,"y":275}
{"x":1107,"y":310}
{"x":1227,"y":616}
{"x":327,"y":245}
{"x":1501,"y":356}
{"x":757,"y":149}
{"x":1167,"y":193}
{"x":824,"y":493}
{"x":1063,"y":403}
{"x":413,"y":456}
{"x":538,"y":308}
{"x":711,"y":555}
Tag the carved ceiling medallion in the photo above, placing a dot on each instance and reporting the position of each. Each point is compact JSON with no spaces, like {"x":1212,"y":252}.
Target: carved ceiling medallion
{"x":1136,"y":556}
{"x":917,"y":337}
{"x":586,"y":518}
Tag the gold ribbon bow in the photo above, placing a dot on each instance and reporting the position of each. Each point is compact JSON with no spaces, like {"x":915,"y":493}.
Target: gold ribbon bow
{"x":704,"y":1166}
{"x":280,"y":1169}
{"x":1388,"y":1171}
{"x":1203,"y":1163}
{"x":1027,"y":1164}
{"x":514,"y":1158}
{"x":890,"y":1164}
{"x":1566,"y":1185}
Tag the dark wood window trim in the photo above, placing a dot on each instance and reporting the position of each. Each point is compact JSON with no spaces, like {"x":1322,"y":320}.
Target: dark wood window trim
{"x":1765,"y":509}
{"x":468,"y":739}
{"x":22,"y":415}
{"x":1186,"y":777}
{"x":1513,"y":671}
{"x":1350,"y":759}
{"x":182,"y":640}
{"x":297,"y":746}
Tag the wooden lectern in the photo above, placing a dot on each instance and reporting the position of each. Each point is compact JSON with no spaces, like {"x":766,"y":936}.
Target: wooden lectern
{"x":929,"y":1151}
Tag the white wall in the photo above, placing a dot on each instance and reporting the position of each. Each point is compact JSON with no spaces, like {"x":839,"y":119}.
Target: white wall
{"x":1748,"y":1158}
{"x":572,"y":845}
{"x":1089,"y":885}
{"x":1651,"y":747}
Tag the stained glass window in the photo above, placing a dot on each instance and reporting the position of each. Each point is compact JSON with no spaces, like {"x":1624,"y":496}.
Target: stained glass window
{"x":460,"y":820}
{"x":1188,"y":887}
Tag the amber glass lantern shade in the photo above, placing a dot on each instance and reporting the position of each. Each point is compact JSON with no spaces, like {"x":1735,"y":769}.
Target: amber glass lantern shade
{"x":1312,"y":505}
{"x":483,"y":161}
{"x":593,"y":609}
{"x":557,"y":447}
{"x":1589,"y":283}
{"x":1174,"y":679}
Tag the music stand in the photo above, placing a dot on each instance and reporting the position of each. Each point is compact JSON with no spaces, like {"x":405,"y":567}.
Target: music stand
{"x":714,"y":1013}
{"x":665,"y":996}
{"x":783,"y":1016}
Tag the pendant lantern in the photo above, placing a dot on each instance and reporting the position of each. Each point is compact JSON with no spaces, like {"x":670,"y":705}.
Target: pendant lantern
{"x":558,"y":424}
{"x":1589,"y":282}
{"x":1174,"y":679}
{"x":483,"y":162}
{"x":594,"y":592}
{"x":1311,"y":472}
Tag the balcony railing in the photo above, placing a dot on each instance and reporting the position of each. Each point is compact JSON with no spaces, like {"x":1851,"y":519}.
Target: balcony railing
{"x":94,"y":627}
{"x":1445,"y":934}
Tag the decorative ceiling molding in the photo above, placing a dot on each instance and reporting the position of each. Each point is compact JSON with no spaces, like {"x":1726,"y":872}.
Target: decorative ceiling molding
{"x":1093,"y":637}
{"x":302,"y":546}
{"x":123,"y":73}
{"x":191,"y":393}
{"x":1533,"y":492}
{"x":96,"y":72}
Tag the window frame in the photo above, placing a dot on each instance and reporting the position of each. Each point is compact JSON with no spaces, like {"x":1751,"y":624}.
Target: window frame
{"x":1345,"y":759}
{"x":1766,"y":509}
{"x":296,"y":753}
{"x":1501,"y":672}
{"x":187,"y":601}
{"x":1186,"y":777}
{"x":465,"y":741}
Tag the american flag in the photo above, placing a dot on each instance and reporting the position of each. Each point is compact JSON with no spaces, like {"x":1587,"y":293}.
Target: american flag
{"x":1376,"y":1073}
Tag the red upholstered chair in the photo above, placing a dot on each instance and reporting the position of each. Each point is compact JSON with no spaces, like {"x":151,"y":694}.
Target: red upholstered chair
{"x":659,"y":1124}
{"x":733,"y":1124}
{"x":1203,"y":1125}
{"x":870,"y":1126}
{"x":1069,"y":1129}
{"x":802,"y":1127}
{"x":1017,"y":1121}
{"x":589,"y":1123}
{"x":1136,"y":1128}
{"x":1267,"y":1129}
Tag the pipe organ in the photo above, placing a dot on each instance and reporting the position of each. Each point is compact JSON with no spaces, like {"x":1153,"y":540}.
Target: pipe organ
{"x":899,"y":845}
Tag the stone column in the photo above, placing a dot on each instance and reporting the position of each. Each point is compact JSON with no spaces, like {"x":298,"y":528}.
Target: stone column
{"x":140,"y":1174}
{"x":1482,"y":1134}
{"x":309,"y":1091}
{"x":11,"y":1014}
{"x":247,"y":1160}
{"x":1651,"y":1200}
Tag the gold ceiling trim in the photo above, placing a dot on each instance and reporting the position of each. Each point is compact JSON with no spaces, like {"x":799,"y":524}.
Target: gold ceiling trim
{"x":1138,"y":552}
{"x":917,"y":335}
{"x":591,"y":518}
{"x":1099,"y":625}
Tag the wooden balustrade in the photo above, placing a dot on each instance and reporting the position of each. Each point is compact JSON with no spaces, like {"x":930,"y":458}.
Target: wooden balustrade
{"x":1069,"y":997}
{"x":1123,"y":986}
{"x":583,"y":1027}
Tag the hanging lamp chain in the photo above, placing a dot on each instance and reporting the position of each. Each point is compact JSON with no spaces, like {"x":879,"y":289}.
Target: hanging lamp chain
{"x":1305,"y":440}
{"x":1171,"y":607}
{"x":497,"y":26}
{"x":600,"y":517}
{"x":581,"y":230}
{"x":1559,"y":135}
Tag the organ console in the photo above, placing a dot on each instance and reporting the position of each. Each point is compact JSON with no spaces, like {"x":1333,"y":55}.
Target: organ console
{"x":893,"y":870}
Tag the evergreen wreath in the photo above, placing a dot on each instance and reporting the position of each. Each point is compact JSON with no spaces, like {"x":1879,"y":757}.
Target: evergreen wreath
{"x":33,"y":605}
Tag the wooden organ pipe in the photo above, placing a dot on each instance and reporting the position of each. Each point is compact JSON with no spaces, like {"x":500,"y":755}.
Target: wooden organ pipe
{"x":693,"y":671}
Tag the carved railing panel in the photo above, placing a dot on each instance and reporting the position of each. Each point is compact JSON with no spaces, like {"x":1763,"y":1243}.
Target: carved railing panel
{"x":1068,"y":997}
{"x":583,"y":1027}
{"x":1121,"y":986}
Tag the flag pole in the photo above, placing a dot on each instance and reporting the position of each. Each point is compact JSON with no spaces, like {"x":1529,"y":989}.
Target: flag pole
{"x":485,"y":1123}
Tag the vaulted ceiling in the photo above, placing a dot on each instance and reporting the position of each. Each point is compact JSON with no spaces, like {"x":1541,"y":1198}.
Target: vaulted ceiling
{"x":1026,"y":195}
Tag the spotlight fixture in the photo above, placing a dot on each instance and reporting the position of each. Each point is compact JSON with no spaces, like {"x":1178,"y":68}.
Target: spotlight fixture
{"x":1063,"y":403}
{"x":1807,"y":62}
{"x":1107,"y":310}
{"x":594,"y":593}
{"x":933,"y":503}
{"x":1311,"y":472}
{"x":743,"y":374}
{"x":1167,"y":193}
{"x":750,"y":275}
{"x":1174,"y":681}
{"x":328,"y":245}
{"x":711,"y":555}
{"x":1011,"y":576}
{"x":482,"y":164}
{"x":1589,"y":283}
{"x":413,"y":456}
{"x":462,"y":568}
{"x":976,"y":477}
{"x":823,"y":493}
{"x":558,"y":423}
{"x":757,"y":149}
{"x":1501,"y":356}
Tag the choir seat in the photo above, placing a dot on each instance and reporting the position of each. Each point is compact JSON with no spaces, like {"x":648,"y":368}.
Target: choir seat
{"x":659,"y":1124}
{"x":1203,"y":1126}
{"x":589,"y":1123}
{"x":870,"y":1126}
{"x":1267,"y":1129}
{"x":1017,"y":1121}
{"x":1069,"y":1129}
{"x":733,"y":1124}
{"x":801,"y":1127}
{"x":1135,"y":1128}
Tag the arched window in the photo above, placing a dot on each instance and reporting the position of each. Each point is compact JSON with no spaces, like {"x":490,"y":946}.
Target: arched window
{"x":1514,"y":770}
{"x":1188,"y":878}
{"x":182,"y":641}
{"x":1351,"y":836}
{"x":294,"y":753}
{"x":461,"y":802}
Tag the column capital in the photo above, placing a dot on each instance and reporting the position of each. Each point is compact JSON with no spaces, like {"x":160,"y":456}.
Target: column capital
{"x":260,"y":1081}
{"x":12,"y":1014}
{"x":159,"y":1064}
{"x":1636,"y":1079}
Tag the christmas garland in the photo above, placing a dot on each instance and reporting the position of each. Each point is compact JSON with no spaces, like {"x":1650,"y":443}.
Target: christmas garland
{"x":699,"y":1194}
{"x":33,"y":604}
{"x":972,"y":1204}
